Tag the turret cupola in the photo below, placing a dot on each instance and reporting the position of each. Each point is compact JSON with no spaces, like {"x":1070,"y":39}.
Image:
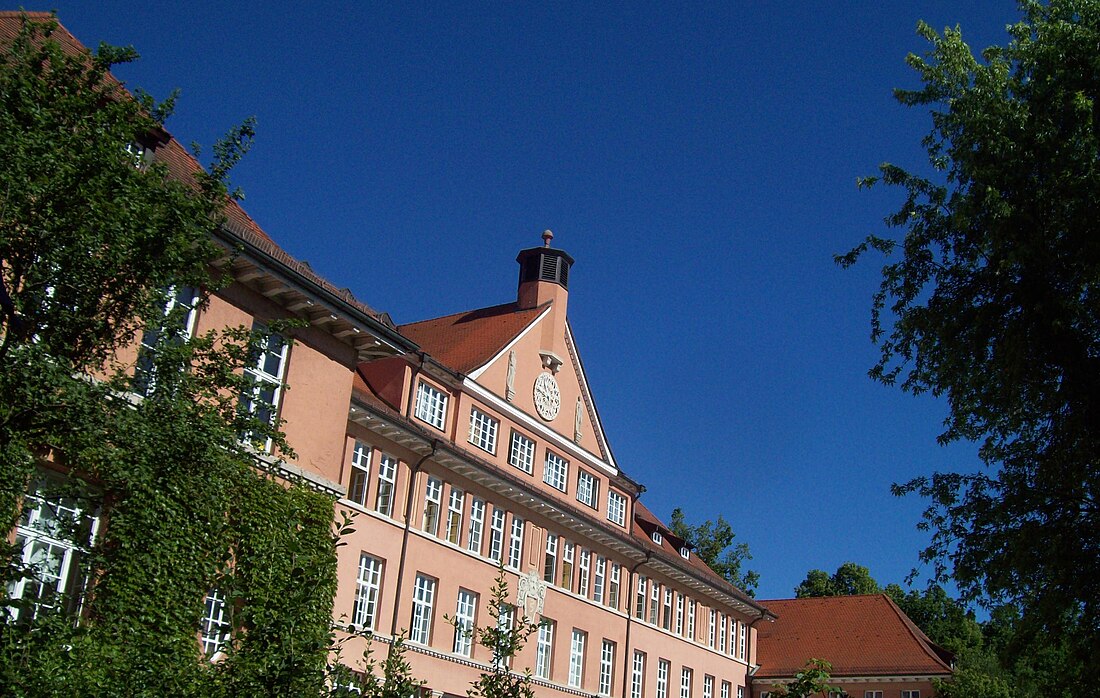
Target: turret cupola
{"x":543,"y":274}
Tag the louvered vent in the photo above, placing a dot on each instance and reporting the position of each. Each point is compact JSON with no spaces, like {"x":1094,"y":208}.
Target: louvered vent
{"x":544,"y":264}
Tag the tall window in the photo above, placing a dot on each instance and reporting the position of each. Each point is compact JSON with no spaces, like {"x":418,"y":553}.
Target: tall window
{"x":654,"y":602}
{"x":433,"y":495}
{"x":588,"y":488}
{"x":360,"y":473}
{"x":455,"y":505}
{"x":556,"y":471}
{"x":567,"y":565}
{"x":599,"y":577}
{"x":726,"y":690}
{"x":691,"y":619}
{"x":639,"y":598}
{"x":423,"y":598}
{"x":265,"y":378}
{"x":215,"y":623}
{"x":387,"y":477}
{"x":506,"y":618}
{"x":607,"y":667}
{"x":679,"y":614}
{"x":576,"y":658}
{"x":708,"y":686}
{"x":582,"y":582}
{"x":477,"y":525}
{"x":740,"y":692}
{"x":51,"y":533}
{"x":637,"y":675}
{"x":550,"y":568}
{"x":483,"y":430}
{"x":664,"y":668}
{"x":544,"y":649}
{"x":713,"y":628}
{"x":722,"y":633}
{"x":616,"y":508}
{"x":365,"y":613}
{"x":613,"y":586}
{"x":177,"y":326}
{"x":496,"y":534}
{"x":742,"y":642}
{"x":685,"y":682}
{"x":521,"y":454}
{"x":731,"y":648}
{"x":431,"y":405}
{"x":666,"y":617}
{"x":464,"y":622}
{"x":515,"y":543}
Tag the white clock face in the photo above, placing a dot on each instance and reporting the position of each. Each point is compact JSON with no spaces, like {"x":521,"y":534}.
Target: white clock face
{"x":547,"y":396}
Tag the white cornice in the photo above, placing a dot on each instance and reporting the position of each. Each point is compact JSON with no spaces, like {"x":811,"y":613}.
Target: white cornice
{"x":476,"y":373}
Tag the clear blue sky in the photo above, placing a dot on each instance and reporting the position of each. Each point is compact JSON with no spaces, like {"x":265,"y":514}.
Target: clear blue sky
{"x":699,"y":162}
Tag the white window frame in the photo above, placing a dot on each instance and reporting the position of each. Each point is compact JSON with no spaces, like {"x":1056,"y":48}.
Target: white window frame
{"x":576,"y":658}
{"x":613,"y":585}
{"x":607,"y":667}
{"x":656,"y":537}
{"x":742,"y":642}
{"x":387,"y":485}
{"x":555,"y":471}
{"x":477,"y":525}
{"x":664,"y":668}
{"x":686,"y":677}
{"x":544,"y":649}
{"x":215,"y":625}
{"x":359,"y":481}
{"x":637,"y":677}
{"x":724,"y":692}
{"x":712,"y":632}
{"x":872,"y":694}
{"x":550,"y":563}
{"x":691,"y":619}
{"x":616,"y":508}
{"x":420,"y":630}
{"x":465,"y":608}
{"x":680,"y":614}
{"x":253,"y":399}
{"x":666,"y":610}
{"x":583,"y":576}
{"x":515,"y":543}
{"x":433,"y":499}
{"x":567,"y":557}
{"x":431,"y":405}
{"x":368,"y":587}
{"x":599,"y":578}
{"x":496,"y":534}
{"x":722,"y":633}
{"x":185,"y":297}
{"x":640,"y":598}
{"x":521,"y":453}
{"x":910,"y":693}
{"x":588,"y":488}
{"x":654,"y":603}
{"x":708,"y":686}
{"x":483,"y":430}
{"x":456,"y":504}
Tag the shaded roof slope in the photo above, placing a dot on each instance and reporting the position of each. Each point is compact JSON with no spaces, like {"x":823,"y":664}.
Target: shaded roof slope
{"x":865,"y":635}
{"x":468,"y":340}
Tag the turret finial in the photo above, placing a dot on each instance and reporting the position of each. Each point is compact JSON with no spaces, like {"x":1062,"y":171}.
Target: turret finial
{"x":547,"y":236}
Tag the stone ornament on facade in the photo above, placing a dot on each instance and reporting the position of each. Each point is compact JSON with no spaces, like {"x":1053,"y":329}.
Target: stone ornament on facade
{"x":578,"y":422}
{"x":510,"y":381}
{"x":547,"y":397}
{"x":531,"y":595}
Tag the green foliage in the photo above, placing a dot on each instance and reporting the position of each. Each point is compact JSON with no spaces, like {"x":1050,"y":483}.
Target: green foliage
{"x":712,"y":541}
{"x":504,"y":639}
{"x":995,"y":304}
{"x":943,"y":619}
{"x":813,"y":680}
{"x":88,"y":243}
{"x":393,"y":679}
{"x":849,"y":579}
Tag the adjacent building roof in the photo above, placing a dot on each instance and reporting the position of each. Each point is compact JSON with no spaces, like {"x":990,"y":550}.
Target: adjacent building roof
{"x":468,"y":340}
{"x":865,"y":635}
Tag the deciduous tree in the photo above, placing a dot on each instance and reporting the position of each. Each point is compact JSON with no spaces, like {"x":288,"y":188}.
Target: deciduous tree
{"x":713,"y":542}
{"x":849,"y":579}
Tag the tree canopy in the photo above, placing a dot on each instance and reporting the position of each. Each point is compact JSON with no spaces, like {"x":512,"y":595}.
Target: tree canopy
{"x":849,"y":579}
{"x":993,"y":301}
{"x":712,"y":541}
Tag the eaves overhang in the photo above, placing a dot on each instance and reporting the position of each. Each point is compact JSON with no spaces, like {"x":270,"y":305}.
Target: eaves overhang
{"x":669,"y":567}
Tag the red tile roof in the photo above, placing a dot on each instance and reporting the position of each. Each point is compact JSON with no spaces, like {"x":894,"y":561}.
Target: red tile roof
{"x":182,"y":165}
{"x":865,"y":635}
{"x":466,"y":341}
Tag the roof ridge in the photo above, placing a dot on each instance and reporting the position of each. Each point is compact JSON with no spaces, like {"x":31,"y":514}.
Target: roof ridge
{"x":919,"y":635}
{"x":467,"y":312}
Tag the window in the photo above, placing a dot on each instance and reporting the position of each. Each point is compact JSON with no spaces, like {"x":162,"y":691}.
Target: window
{"x":654,"y":602}
{"x":691,"y":619}
{"x":712,"y":634}
{"x":729,"y":648}
{"x":433,"y":494}
{"x":740,"y":692}
{"x":483,"y":430}
{"x":722,"y":633}
{"x":455,"y":506}
{"x":51,"y":533}
{"x":607,"y":667}
{"x":496,"y":534}
{"x":708,"y":686}
{"x":637,"y":675}
{"x":726,"y":690}
{"x":601,"y":574}
{"x":544,"y":649}
{"x":666,"y":617}
{"x":872,"y":694}
{"x":515,"y":543}
{"x":613,"y":586}
{"x":685,"y":682}
{"x":431,"y":405}
{"x":365,"y":612}
{"x":506,"y":617}
{"x":685,"y":552}
{"x":477,"y":525}
{"x":742,"y":642}
{"x":556,"y":471}
{"x":567,"y":565}
{"x":616,"y":508}
{"x":464,"y":622}
{"x":387,"y":474}
{"x":679,"y":614}
{"x":423,"y":598}
{"x":215,"y":624}
{"x":910,"y":694}
{"x":522,"y":453}
{"x":639,"y":598}
{"x":582,"y":582}
{"x":588,"y":488}
{"x":657,"y":537}
{"x":550,"y":568}
{"x":265,"y":380}
{"x":360,"y":473}
{"x":664,"y":668}
{"x":176,"y":328}
{"x":576,"y":658}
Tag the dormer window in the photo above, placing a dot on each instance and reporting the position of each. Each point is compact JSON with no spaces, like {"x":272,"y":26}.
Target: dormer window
{"x":685,"y":552}
{"x":657,"y":538}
